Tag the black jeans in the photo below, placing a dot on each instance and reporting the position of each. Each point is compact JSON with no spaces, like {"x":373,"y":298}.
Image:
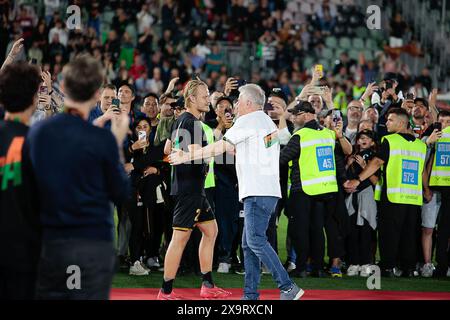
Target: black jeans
{"x":17,"y":285}
{"x":153,"y":229}
{"x":397,"y":230}
{"x":336,"y":225}
{"x":147,"y":220}
{"x":335,"y":239}
{"x":95,"y":259}
{"x":359,"y":242}
{"x":307,"y":216}
{"x":136,"y":214}
{"x":227,"y":215}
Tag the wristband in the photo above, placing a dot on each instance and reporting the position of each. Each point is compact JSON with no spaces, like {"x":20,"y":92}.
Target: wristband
{"x":359,"y":179}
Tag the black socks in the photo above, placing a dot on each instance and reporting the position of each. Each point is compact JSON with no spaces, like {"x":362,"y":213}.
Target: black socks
{"x":207,"y":280}
{"x":167,"y":286}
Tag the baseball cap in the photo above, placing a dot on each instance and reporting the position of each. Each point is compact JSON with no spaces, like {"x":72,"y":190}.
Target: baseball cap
{"x":423,"y":101}
{"x":302,"y":106}
{"x":390,"y":76}
{"x":178,"y":104}
{"x":278,"y":92}
{"x":368,"y":133}
{"x":224,"y":98}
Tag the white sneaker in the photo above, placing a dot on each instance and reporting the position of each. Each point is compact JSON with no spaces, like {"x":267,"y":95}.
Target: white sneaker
{"x":153,"y":262}
{"x":224,"y":267}
{"x":137,"y":269}
{"x":353,"y":270}
{"x":291,"y":266}
{"x":427,"y":270}
{"x":366,"y":271}
{"x":397,"y":272}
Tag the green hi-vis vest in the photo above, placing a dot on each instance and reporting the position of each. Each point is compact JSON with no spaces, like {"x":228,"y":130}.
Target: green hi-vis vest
{"x":404,"y":170}
{"x":210,"y":181}
{"x":316,"y":162}
{"x":440,"y":172}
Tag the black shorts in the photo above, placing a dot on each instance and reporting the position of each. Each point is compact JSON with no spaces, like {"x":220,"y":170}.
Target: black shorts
{"x":191,"y":209}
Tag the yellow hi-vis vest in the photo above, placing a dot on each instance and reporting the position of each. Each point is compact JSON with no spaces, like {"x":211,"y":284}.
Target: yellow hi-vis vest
{"x":317,"y":164}
{"x":378,"y":187}
{"x":440,"y":172}
{"x":404,"y":170}
{"x":210,"y":181}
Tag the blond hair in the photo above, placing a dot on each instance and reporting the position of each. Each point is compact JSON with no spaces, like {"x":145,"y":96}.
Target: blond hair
{"x":191,"y":89}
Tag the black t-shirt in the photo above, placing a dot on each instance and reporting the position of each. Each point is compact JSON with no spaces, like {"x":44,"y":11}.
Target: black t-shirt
{"x":188,"y":178}
{"x":355,"y":169}
{"x":19,"y":207}
{"x":383,"y":153}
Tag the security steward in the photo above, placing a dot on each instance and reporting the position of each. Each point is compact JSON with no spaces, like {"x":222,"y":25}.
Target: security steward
{"x":440,"y":181}
{"x":313,"y":187}
{"x":401,"y":157}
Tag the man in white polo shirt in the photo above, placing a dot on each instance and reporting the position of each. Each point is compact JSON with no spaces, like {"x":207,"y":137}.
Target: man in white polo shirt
{"x":254,"y":138}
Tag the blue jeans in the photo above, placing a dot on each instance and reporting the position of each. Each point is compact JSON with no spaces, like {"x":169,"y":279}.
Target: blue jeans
{"x":258,"y":211}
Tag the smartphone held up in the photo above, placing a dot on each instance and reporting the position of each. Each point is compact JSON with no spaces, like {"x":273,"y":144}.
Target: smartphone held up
{"x":142,"y":135}
{"x":115,"y":105}
{"x":336,"y":117}
{"x":318,"y":69}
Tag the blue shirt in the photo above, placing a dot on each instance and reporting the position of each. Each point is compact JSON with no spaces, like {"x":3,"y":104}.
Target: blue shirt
{"x":97,"y":113}
{"x":79,"y":175}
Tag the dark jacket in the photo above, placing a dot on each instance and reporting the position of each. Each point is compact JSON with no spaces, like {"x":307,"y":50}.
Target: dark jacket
{"x":79,"y":174}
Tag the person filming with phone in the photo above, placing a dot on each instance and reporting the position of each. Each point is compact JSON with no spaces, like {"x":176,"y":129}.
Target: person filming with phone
{"x":102,"y":114}
{"x":145,"y":177}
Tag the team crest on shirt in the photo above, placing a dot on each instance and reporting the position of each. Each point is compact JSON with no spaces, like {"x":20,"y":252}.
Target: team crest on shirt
{"x":11,"y":165}
{"x":271,"y":139}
